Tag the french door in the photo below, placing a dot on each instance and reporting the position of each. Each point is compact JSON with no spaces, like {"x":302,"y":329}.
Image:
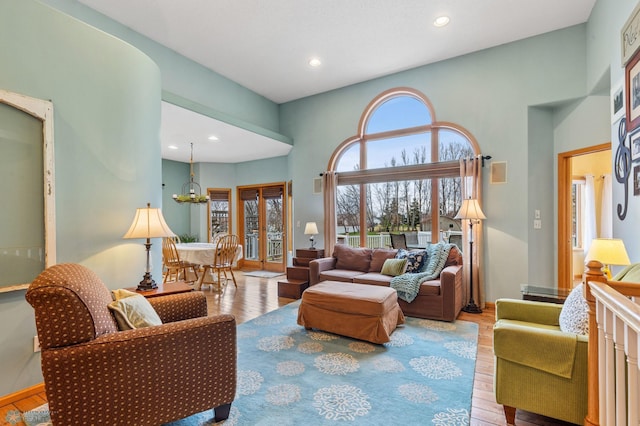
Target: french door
{"x":262,"y":212}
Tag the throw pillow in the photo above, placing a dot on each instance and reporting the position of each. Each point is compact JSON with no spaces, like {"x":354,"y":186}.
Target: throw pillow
{"x":574,"y":317}
{"x":415,"y":259}
{"x":133,"y":311}
{"x":394,"y":267}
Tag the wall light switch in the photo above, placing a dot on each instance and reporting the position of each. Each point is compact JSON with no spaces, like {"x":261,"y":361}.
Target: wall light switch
{"x":537,"y":224}
{"x":537,"y":214}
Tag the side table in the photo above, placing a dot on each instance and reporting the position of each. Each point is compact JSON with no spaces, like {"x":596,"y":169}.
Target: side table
{"x":165,"y":289}
{"x":543,"y":294}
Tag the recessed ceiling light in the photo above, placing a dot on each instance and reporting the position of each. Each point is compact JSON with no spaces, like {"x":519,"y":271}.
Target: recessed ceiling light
{"x":441,"y":21}
{"x":172,"y":147}
{"x":213,"y":138}
{"x":315,"y":62}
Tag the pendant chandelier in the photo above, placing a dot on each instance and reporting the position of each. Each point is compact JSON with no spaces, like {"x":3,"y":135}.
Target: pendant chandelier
{"x":191,"y":191}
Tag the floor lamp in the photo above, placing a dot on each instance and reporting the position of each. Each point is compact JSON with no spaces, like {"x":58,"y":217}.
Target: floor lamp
{"x":471,"y":210}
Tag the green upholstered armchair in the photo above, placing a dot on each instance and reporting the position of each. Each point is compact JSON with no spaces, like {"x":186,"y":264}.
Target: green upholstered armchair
{"x":538,"y":367}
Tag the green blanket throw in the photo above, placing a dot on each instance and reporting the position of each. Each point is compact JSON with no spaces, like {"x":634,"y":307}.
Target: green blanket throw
{"x":407,"y":285}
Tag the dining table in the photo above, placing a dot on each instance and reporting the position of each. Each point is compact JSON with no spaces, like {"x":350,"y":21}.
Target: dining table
{"x":202,"y":254}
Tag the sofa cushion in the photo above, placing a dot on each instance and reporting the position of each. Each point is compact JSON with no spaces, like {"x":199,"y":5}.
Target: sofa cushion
{"x":354,"y":258}
{"x":373,"y":278}
{"x":345,"y":275}
{"x":378,"y":257}
{"x":429,"y":288}
{"x":416,"y":259}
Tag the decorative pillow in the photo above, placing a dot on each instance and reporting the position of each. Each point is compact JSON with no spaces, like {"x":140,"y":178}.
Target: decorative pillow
{"x":133,"y":311}
{"x":574,"y":317}
{"x":394,"y":267}
{"x":415,"y":259}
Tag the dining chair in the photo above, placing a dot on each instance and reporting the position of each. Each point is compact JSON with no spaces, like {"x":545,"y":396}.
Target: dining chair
{"x":223,"y":259}
{"x":173,"y":264}
{"x":398,"y":241}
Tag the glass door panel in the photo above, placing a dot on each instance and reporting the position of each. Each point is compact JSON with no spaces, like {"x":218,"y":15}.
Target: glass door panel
{"x":273,"y":197}
{"x":263,"y":224}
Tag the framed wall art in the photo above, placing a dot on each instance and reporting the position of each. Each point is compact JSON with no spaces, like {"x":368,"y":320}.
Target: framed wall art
{"x":632,"y":92}
{"x":636,"y":180}
{"x":634,"y":145}
{"x":617,"y":101}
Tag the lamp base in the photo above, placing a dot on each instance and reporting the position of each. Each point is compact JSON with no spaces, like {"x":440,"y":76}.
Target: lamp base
{"x":147,"y":283}
{"x":472,"y":308}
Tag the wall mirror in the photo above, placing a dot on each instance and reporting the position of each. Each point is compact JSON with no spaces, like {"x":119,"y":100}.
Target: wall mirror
{"x":27,"y":219}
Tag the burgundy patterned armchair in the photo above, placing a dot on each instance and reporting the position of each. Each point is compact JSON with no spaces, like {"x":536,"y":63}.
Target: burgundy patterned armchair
{"x":95,"y":374}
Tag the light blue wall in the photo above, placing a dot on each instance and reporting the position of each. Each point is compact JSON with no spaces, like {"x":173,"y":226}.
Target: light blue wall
{"x":174,"y":175}
{"x":490,"y":94}
{"x":187,"y":83}
{"x":106,"y":99}
{"x":612,"y":15}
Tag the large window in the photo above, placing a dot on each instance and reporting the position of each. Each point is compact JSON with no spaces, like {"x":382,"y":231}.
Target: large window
{"x":401,"y":173}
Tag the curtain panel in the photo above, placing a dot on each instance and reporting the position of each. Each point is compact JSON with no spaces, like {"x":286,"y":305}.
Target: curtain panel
{"x":471,"y":187}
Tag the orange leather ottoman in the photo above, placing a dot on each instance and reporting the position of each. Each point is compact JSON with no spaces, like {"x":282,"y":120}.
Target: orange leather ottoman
{"x":362,"y":311}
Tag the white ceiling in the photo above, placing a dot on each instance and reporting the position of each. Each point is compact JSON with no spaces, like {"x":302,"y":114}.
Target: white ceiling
{"x":266,"y":45}
{"x":180,"y":127}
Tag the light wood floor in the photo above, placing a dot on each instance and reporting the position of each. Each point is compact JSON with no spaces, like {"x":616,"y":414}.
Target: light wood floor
{"x":256,"y":296}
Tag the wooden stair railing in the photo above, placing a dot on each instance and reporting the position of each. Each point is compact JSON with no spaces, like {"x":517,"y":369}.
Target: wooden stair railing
{"x":609,"y":346}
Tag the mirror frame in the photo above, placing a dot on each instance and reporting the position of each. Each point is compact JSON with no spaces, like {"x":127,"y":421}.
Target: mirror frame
{"x":43,"y":111}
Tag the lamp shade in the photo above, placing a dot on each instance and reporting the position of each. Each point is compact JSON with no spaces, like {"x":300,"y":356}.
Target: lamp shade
{"x":608,"y":251}
{"x":470,"y":209}
{"x":149,"y":223}
{"x":311,"y":228}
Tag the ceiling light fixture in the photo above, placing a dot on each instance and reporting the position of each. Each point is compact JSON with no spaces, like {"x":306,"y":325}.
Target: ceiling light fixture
{"x":441,"y":21}
{"x":172,"y":147}
{"x":213,"y":138}
{"x":315,"y":62}
{"x":191,"y":191}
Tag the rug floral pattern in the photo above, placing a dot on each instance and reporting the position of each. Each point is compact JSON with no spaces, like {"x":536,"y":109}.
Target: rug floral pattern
{"x":291,"y":376}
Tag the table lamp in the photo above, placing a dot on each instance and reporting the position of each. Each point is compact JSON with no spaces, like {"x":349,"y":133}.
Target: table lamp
{"x":608,"y":251}
{"x":148,"y":223}
{"x":311,"y":229}
{"x":471,"y":210}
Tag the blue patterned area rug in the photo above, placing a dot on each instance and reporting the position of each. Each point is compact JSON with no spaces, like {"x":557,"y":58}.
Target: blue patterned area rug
{"x":290,"y":376}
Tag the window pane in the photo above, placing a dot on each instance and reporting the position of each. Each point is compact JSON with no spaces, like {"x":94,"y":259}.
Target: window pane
{"x":453,"y":145}
{"x":400,"y":112}
{"x":450,"y":200}
{"x":350,"y":159}
{"x":348,"y":214}
{"x":219,"y":218}
{"x":399,"y":151}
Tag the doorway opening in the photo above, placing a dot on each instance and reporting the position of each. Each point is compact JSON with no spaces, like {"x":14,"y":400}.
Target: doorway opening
{"x":582,"y":193}
{"x":262,"y":224}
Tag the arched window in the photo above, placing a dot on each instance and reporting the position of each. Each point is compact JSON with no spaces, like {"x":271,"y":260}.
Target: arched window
{"x":400,"y":173}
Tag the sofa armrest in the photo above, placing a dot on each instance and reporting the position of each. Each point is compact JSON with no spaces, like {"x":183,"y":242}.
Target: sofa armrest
{"x":528,"y":311}
{"x":181,"y":306}
{"x":451,"y":291}
{"x":191,"y":356}
{"x":319,"y":265}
